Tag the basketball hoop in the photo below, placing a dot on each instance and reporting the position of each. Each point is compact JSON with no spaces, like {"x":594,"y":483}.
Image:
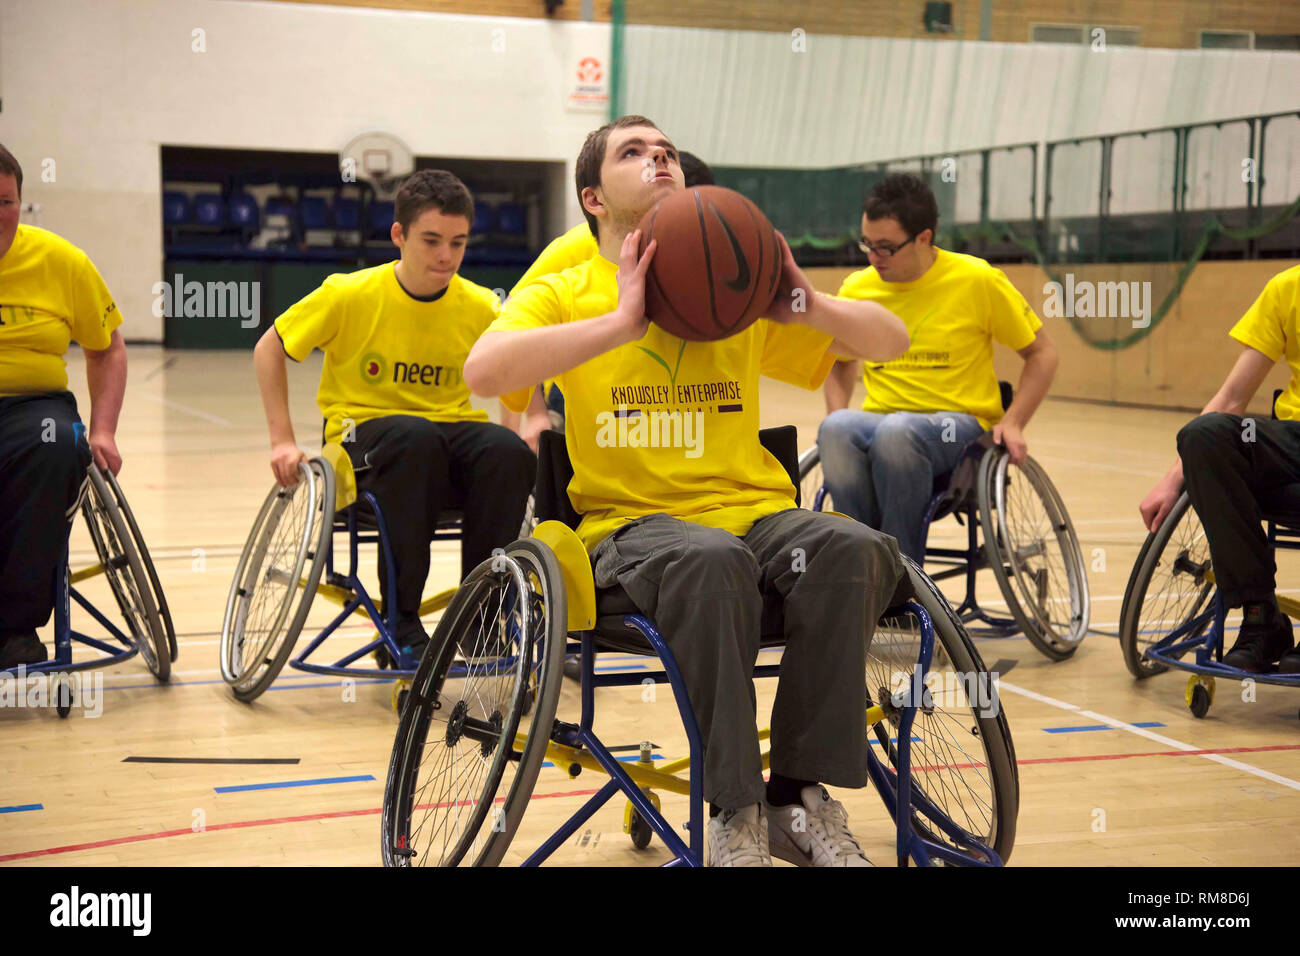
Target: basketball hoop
{"x":380,"y":159}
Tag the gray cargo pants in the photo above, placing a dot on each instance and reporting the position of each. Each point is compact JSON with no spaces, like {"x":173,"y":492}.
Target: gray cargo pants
{"x":705,"y":591}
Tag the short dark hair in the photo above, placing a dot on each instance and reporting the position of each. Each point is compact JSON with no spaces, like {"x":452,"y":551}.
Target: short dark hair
{"x":9,"y":167}
{"x":906,"y":198}
{"x":592,"y":154}
{"x":432,"y":189}
{"x":695,"y":170}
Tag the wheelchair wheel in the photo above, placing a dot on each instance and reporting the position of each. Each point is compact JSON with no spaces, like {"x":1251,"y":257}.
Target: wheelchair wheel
{"x":160,"y":599}
{"x":1167,"y":589}
{"x":275,"y":579}
{"x":115,"y":547}
{"x":1034,"y":553}
{"x":811,"y":481}
{"x":962,"y":758}
{"x":456,"y":741}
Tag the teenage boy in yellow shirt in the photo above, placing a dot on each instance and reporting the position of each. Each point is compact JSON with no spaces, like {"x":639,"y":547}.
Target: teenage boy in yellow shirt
{"x":50,"y":294}
{"x":880,"y":462}
{"x":1232,"y":470}
{"x":699,"y":526}
{"x":395,"y":339}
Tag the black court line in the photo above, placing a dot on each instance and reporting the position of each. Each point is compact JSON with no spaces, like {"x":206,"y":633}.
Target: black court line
{"x":1003,"y":665}
{"x":248,"y":760}
{"x":653,"y":746}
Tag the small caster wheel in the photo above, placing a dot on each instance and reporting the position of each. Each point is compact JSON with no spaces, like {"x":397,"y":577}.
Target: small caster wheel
{"x":383,"y":660}
{"x":63,"y":697}
{"x":401,"y":691}
{"x":640,"y":831}
{"x":1199,"y":694}
{"x":635,"y":825}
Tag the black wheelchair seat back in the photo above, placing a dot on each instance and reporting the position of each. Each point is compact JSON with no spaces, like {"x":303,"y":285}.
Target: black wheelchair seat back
{"x":956,"y":490}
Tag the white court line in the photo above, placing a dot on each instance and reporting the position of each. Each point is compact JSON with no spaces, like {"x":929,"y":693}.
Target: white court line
{"x":1150,"y":735}
{"x":197,"y":413}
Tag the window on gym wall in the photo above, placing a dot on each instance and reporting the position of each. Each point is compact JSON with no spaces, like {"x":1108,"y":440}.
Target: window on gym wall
{"x":1089,"y":34}
{"x":1248,"y":40}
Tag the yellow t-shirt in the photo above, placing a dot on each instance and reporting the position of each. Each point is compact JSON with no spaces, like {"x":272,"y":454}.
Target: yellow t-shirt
{"x":50,"y":294}
{"x":574,"y":247}
{"x":953,"y":314}
{"x":386,"y":352}
{"x":1269,"y":326}
{"x":666,"y":425}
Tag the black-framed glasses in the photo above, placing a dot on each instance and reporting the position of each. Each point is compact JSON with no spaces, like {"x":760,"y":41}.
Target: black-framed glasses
{"x":883,"y":251}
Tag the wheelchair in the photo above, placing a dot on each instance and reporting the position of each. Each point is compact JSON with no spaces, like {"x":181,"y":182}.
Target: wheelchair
{"x":124,"y":561}
{"x":1172,"y":607}
{"x":288,"y":560}
{"x":1028,"y":542}
{"x":468,"y":749}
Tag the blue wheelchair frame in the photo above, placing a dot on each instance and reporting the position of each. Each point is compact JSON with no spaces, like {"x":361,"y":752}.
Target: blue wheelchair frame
{"x":895,"y":787}
{"x":385,"y":642}
{"x":1208,"y":646}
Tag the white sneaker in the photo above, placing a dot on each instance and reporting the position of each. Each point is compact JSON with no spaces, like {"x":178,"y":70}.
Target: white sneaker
{"x":739,"y":838}
{"x":814,"y":834}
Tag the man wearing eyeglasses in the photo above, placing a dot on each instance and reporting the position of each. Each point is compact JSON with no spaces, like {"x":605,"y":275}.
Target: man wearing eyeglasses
{"x":921,"y":409}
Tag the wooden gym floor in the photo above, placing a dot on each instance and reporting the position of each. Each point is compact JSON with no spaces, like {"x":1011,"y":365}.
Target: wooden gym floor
{"x":1112,"y":771}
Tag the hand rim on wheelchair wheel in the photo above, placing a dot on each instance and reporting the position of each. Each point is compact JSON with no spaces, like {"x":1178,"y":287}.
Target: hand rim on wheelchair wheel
{"x":160,"y":599}
{"x":942,"y":765}
{"x":310,"y":537}
{"x":130,"y":585}
{"x":1187,"y":535}
{"x":1056,"y":639}
{"x":539,"y":642}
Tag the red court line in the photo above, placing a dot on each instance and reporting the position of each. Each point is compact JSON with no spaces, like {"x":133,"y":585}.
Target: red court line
{"x":333,"y":815}
{"x":337,"y":814}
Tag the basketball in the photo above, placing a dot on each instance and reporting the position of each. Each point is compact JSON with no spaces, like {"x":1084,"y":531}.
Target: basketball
{"x":716,"y":267}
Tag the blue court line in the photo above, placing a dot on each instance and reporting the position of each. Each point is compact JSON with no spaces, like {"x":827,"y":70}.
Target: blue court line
{"x":21,"y":807}
{"x":1073,"y":730}
{"x":893,"y":740}
{"x":631,"y":759}
{"x":620,"y":667}
{"x":292,"y":783}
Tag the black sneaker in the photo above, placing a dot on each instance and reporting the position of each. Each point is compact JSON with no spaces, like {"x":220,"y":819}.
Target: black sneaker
{"x":1264,"y":637}
{"x":1290,"y":662}
{"x":21,"y":647}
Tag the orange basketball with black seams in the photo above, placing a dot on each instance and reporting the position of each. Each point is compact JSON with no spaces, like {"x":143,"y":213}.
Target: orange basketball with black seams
{"x":716,"y":267}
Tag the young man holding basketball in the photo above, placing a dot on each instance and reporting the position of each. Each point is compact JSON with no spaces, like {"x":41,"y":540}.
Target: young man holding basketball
{"x":921,"y":409}
{"x":576,"y":246}
{"x":395,"y":338}
{"x":1231,"y":469}
{"x":698,"y":542}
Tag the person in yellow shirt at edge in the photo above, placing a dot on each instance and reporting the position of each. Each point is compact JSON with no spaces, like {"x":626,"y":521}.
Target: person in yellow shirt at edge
{"x":392,"y":391}
{"x":1235,"y":471}
{"x":50,"y":295}
{"x":700,"y":525}
{"x":880,"y":463}
{"x":546,"y":410}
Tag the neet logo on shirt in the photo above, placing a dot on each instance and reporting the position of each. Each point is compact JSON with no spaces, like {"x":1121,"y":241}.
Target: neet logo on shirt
{"x":373,"y":368}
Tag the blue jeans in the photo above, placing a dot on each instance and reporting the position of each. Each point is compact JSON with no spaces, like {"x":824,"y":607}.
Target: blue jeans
{"x":880,"y":469}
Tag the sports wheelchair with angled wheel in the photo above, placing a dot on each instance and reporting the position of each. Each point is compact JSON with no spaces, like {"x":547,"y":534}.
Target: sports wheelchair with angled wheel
{"x":468,"y":752}
{"x":1172,"y":607}
{"x":124,"y":561}
{"x":1028,"y":542}
{"x":288,"y":561}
